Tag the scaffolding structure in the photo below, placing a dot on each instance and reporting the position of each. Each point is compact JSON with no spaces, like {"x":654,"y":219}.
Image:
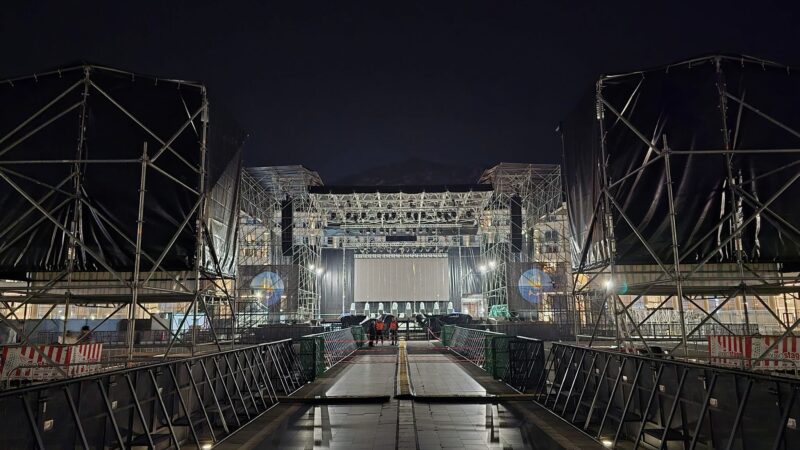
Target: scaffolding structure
{"x":716,"y":280}
{"x":472,"y":221}
{"x":81,"y":151}
{"x":536,"y":190}
{"x":270,"y":193}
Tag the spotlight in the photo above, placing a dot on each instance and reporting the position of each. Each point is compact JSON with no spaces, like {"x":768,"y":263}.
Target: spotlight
{"x":609,"y":284}
{"x":206,"y":446}
{"x":607,"y":443}
{"x":482,"y":268}
{"x":310,"y":267}
{"x":319,"y":270}
{"x":492,"y":264}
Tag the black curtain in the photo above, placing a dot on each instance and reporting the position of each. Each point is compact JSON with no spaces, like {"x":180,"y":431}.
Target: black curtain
{"x":336,"y":279}
{"x":464,"y":276}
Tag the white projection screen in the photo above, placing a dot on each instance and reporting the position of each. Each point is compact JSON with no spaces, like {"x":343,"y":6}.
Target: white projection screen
{"x":401,"y":279}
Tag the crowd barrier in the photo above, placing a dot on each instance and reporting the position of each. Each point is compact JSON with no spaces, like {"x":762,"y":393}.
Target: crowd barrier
{"x":662,"y":403}
{"x":197,"y":400}
{"x":624,"y":400}
{"x":320,"y":352}
{"x":493,"y":351}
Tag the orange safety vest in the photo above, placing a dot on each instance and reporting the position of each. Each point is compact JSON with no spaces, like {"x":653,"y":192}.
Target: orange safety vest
{"x":379,"y":325}
{"x":393,"y":325}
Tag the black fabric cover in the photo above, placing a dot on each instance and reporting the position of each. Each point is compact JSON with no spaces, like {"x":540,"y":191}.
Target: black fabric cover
{"x":223,"y":184}
{"x":29,"y":242}
{"x":337,"y":278}
{"x":683,"y":102}
{"x":465,"y":278}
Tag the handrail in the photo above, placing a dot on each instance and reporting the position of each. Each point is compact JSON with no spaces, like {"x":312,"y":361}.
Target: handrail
{"x":59,"y":383}
{"x":201,"y":400}
{"x":615,"y":396}
{"x":678,"y":360}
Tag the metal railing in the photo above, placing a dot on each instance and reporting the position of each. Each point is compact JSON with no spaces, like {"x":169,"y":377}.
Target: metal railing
{"x":470,"y":344}
{"x":489,"y":350}
{"x":525,"y":363}
{"x":660,"y":403}
{"x":320,"y":352}
{"x":196,"y":401}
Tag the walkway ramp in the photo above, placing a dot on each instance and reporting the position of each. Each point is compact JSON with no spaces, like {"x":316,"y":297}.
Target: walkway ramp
{"x":359,"y":404}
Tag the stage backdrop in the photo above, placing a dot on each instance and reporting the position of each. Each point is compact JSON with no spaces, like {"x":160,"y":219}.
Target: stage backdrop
{"x":402,"y":279}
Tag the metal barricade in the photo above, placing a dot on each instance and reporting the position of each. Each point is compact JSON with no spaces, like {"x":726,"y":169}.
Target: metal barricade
{"x":662,"y":403}
{"x":196,"y":401}
{"x":470,"y":344}
{"x":525,"y":363}
{"x":322,"y":351}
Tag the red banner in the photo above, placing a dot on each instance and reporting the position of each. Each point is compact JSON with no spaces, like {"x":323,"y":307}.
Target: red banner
{"x":739,"y":351}
{"x":25,"y":363}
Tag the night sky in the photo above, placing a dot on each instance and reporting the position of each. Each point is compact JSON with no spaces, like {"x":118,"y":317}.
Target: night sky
{"x":341,"y":87}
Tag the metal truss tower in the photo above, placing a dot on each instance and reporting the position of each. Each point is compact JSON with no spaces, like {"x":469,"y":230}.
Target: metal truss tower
{"x":270,"y":241}
{"x":536,"y":188}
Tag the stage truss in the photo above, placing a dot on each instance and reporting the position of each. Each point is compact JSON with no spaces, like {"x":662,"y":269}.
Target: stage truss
{"x":265,"y":191}
{"x":544,"y":237}
{"x":412,"y":220}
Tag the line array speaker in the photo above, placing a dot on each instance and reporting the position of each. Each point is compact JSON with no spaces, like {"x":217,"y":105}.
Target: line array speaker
{"x":287,"y":227}
{"x":515,"y":207}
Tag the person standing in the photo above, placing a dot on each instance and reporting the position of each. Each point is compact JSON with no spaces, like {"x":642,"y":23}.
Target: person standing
{"x":86,"y":335}
{"x":393,"y":330}
{"x":371,"y":332}
{"x":379,"y":329}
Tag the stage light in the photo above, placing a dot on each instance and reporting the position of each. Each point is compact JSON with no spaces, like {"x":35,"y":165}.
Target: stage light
{"x":310,"y":267}
{"x":319,"y":271}
{"x":482,"y":268}
{"x":609,"y":284}
{"x":492,"y":264}
{"x":607,"y":442}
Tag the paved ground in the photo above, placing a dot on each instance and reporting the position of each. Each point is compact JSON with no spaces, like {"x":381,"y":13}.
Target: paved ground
{"x":398,"y":423}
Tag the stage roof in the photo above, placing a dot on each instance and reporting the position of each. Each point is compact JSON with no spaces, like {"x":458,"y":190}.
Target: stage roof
{"x":343,"y":190}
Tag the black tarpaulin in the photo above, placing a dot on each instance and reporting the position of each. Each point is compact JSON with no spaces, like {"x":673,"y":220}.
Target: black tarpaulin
{"x":104,"y":118}
{"x":691,"y":107}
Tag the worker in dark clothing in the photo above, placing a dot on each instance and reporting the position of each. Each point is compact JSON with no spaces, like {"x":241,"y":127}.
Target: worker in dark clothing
{"x":379,"y":330}
{"x":393,"y":331}
{"x":371,"y":332}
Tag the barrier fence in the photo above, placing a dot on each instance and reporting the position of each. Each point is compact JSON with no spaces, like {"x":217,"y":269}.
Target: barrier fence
{"x":503,"y":356}
{"x":660,"y":403}
{"x":624,"y":400}
{"x":525,"y":363}
{"x":197,"y":400}
{"x":320,"y":352}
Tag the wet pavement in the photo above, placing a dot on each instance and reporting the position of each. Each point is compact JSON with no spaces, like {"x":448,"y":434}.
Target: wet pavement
{"x":397,"y":423}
